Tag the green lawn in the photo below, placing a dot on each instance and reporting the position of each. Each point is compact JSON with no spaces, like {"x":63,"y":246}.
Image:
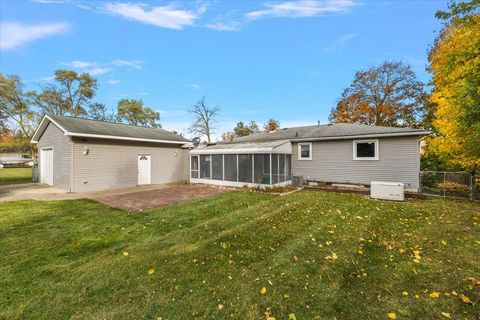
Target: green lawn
{"x":15,"y":175}
{"x":318,"y":256}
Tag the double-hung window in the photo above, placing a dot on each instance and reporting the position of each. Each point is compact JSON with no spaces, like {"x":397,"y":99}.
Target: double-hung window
{"x":365,"y":149}
{"x":305,"y":151}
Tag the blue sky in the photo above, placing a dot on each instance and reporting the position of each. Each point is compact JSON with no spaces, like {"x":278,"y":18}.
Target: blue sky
{"x":289,"y":60}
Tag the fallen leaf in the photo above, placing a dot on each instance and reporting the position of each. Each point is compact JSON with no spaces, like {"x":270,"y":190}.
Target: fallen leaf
{"x":392,"y":315}
{"x":125,"y":253}
{"x":151,"y":271}
{"x":464,"y":298}
{"x":446,"y":315}
{"x":263,"y":291}
{"x":434,"y":294}
{"x":291,"y":316}
{"x":220,"y":306}
{"x":405,"y":293}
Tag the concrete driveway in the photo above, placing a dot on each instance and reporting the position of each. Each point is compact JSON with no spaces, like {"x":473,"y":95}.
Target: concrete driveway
{"x":133,"y":198}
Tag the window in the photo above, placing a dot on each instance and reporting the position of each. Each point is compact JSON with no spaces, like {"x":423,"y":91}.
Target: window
{"x":217,"y":167}
{"x":205,"y":162}
{"x":245,"y":168}
{"x":194,"y":167}
{"x":305,"y":151}
{"x":230,"y":167}
{"x":365,"y":150}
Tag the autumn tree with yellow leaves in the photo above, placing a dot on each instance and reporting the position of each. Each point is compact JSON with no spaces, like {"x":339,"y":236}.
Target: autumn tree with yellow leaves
{"x":455,"y":67}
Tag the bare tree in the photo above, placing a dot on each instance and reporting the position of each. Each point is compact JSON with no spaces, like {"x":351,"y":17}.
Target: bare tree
{"x":204,"y":119}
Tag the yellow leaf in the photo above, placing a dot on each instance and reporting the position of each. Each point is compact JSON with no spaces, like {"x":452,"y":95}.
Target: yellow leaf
{"x":392,"y":315}
{"x":125,"y":253}
{"x":405,"y":293}
{"x":220,"y":306}
{"x":263,"y":291}
{"x":292,"y":316}
{"x":270,"y":318}
{"x":464,"y":298}
{"x":446,"y":315}
{"x":151,"y":271}
{"x":444,"y":242}
{"x":434,"y":294}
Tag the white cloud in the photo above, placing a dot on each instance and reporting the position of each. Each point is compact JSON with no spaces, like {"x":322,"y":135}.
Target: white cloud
{"x":339,"y":43}
{"x":14,"y":35}
{"x":114,"y":81}
{"x":163,"y":16}
{"x":78,"y":64}
{"x":299,"y":9}
{"x":224,"y":26}
{"x":98,"y":71}
{"x":50,"y":1}
{"x":137,"y":64}
{"x":195,"y":86}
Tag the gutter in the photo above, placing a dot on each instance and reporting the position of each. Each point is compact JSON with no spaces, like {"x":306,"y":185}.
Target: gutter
{"x":399,"y":134}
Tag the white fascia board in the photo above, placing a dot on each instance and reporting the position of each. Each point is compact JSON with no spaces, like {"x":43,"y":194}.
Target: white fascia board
{"x":100,"y":136}
{"x":42,"y":126}
{"x":365,"y":136}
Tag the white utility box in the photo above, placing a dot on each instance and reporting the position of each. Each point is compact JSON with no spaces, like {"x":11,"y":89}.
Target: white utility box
{"x":387,"y":190}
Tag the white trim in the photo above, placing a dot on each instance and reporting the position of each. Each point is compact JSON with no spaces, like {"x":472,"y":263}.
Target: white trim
{"x":366,"y":136}
{"x":42,"y":126}
{"x":299,"y":147}
{"x":238,"y":184}
{"x":100,"y":136}
{"x":355,"y":142}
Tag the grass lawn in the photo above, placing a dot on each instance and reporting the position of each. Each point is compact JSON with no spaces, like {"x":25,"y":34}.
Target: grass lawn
{"x":317,"y":256}
{"x":15,"y":175}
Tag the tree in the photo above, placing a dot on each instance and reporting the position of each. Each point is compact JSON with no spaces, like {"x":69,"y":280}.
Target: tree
{"x":228,"y":136}
{"x":271,"y":125}
{"x":455,"y":67}
{"x":204,"y":118}
{"x":133,"y":112}
{"x":98,"y":111}
{"x":15,"y":106}
{"x":242,"y":129}
{"x":387,"y":95}
{"x":69,"y":94}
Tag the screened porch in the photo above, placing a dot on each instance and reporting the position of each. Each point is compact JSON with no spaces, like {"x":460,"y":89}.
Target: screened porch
{"x":252,"y":164}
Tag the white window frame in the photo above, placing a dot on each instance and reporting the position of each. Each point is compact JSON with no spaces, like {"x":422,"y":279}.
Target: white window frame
{"x":309,"y":144}
{"x":198,"y":167}
{"x":355,"y":142}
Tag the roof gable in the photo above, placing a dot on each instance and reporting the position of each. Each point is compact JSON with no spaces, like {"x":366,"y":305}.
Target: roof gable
{"x":106,"y":130}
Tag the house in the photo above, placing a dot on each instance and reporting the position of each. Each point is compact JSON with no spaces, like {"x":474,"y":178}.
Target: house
{"x":336,"y":153}
{"x":85,"y":155}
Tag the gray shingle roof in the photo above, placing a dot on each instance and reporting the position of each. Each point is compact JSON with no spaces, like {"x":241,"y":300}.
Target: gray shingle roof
{"x":93,"y":127}
{"x":332,"y":131}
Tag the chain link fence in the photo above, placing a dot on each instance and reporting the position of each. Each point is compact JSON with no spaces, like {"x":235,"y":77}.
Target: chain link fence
{"x":460,"y":185}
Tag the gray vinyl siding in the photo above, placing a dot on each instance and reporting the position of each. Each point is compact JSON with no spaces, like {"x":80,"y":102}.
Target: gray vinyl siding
{"x":332,"y":161}
{"x":113,"y":163}
{"x":186,"y":165}
{"x":54,"y":138}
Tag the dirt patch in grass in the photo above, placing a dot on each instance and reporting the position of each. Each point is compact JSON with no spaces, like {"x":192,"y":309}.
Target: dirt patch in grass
{"x":149,"y":199}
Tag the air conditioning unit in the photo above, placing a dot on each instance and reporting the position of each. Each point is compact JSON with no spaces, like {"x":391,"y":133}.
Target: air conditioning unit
{"x":297,"y":181}
{"x":387,"y":190}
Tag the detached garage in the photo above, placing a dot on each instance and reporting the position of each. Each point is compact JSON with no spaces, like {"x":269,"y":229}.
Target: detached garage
{"x":80,"y":155}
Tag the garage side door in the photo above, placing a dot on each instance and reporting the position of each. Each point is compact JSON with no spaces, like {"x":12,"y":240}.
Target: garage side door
{"x":46,"y":166}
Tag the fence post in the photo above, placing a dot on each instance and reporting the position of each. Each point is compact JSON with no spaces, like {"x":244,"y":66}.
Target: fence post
{"x":472,"y":187}
{"x":444,"y":186}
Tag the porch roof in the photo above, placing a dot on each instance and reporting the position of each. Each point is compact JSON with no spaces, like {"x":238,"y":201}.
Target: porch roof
{"x":278,"y":146}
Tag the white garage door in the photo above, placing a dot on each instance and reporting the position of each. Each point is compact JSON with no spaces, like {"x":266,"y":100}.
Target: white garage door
{"x":46,"y":166}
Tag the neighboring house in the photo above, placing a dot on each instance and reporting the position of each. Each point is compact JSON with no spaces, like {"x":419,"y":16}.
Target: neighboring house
{"x":15,"y":160}
{"x":85,"y":155}
{"x":336,"y":153}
